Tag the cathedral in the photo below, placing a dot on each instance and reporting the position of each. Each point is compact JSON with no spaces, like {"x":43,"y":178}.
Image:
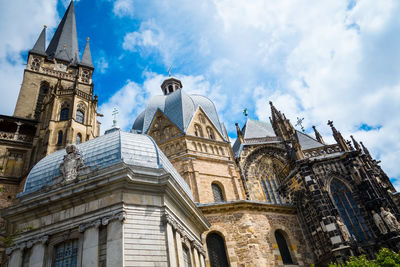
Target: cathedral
{"x":173,"y":191}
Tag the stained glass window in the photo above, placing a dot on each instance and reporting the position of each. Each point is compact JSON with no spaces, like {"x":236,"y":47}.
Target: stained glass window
{"x":217,"y":192}
{"x":269,"y":182}
{"x":216,"y":251}
{"x":349,"y":211}
{"x":80,"y":116}
{"x":64,"y":114}
{"x":283,"y":248}
{"x":66,"y":254}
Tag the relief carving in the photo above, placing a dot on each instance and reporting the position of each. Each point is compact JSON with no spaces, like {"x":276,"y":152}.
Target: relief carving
{"x":73,"y":161}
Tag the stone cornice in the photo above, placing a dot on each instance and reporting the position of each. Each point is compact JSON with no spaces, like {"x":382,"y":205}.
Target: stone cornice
{"x":240,"y":205}
{"x":121,"y":216}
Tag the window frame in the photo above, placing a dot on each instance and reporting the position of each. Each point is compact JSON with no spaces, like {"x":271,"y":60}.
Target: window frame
{"x":59,"y":238}
{"x":81,"y":115}
{"x":221,"y":192}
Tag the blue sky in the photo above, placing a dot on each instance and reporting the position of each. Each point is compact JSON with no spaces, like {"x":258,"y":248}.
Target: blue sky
{"x":336,"y":60}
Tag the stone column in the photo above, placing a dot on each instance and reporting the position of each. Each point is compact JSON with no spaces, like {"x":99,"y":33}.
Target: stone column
{"x":202,"y":260}
{"x":15,"y":258}
{"x":115,"y":239}
{"x":37,"y":255}
{"x":90,"y":251}
{"x":179,"y":249}
{"x":171,"y":246}
{"x":196,"y":257}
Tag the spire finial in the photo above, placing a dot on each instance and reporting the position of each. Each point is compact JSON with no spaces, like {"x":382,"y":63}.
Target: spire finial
{"x":318,"y":135}
{"x":115,"y":113}
{"x":169,"y":71}
{"x":300,"y":123}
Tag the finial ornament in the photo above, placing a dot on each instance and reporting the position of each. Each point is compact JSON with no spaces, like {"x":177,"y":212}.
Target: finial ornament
{"x":115,"y":113}
{"x":169,"y":71}
{"x":245,"y":112}
{"x":87,"y":39}
{"x":299,"y":123}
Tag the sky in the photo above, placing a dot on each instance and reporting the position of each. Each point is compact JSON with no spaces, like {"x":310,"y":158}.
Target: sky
{"x":318,"y":60}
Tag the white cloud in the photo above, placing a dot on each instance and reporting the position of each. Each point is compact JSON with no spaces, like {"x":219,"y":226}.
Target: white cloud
{"x":317,"y":60}
{"x":101,"y":64}
{"x":19,"y":36}
{"x":123,"y":8}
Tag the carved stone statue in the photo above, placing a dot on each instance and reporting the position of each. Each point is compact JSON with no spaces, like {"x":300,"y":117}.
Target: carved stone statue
{"x":379,"y":222}
{"x":343,"y":229}
{"x":390,"y":220}
{"x":72,"y":163}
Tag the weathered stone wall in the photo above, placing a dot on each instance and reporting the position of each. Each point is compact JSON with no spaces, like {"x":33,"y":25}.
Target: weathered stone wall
{"x":250,"y":237}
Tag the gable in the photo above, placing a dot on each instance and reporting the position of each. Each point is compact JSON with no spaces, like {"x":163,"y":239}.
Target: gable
{"x":202,"y":126}
{"x":162,"y":129}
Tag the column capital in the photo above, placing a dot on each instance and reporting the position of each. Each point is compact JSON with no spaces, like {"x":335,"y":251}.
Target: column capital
{"x":95,"y":223}
{"x":121,"y":216}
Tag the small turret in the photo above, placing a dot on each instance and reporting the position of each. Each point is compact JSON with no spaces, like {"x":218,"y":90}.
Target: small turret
{"x":239,"y":133}
{"x":282,"y":126}
{"x":40,"y":45}
{"x":355,"y":143}
{"x":364,"y":148}
{"x":87,"y":56}
{"x":338,"y":137}
{"x":318,"y":135}
{"x":171,"y":85}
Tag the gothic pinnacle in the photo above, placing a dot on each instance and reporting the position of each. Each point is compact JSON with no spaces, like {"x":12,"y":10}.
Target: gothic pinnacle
{"x":355,"y":143}
{"x":318,"y":135}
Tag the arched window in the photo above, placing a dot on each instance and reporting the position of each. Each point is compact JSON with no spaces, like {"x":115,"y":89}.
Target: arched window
{"x":80,"y":116}
{"x":210,"y":133}
{"x":216,"y":250}
{"x":186,"y":257}
{"x":349,"y":211}
{"x":44,"y":89}
{"x":217,"y":192}
{"x":78,"y":138}
{"x":283,"y":247}
{"x":170,"y":88}
{"x":60,"y":138}
{"x":66,"y":254}
{"x":64,"y":111}
{"x":198,"y":131}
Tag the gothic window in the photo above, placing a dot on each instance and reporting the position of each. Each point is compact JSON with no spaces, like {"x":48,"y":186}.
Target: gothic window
{"x":35,"y":64}
{"x":60,"y":138}
{"x":85,"y":75}
{"x":269,"y":183}
{"x":186,"y":257}
{"x":44,"y":89}
{"x":217,"y":193}
{"x":266,"y":191}
{"x":216,"y":250}
{"x":80,"y":116}
{"x":78,"y":138}
{"x":210,"y":133}
{"x":64,"y":112}
{"x":349,"y":211}
{"x":198,"y":131}
{"x":66,"y":254}
{"x":283,"y":247}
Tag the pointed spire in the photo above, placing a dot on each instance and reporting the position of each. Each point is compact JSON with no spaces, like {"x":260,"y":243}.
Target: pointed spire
{"x":338,"y":137}
{"x":239,"y":133}
{"x":355,"y":143}
{"x":366,"y":152}
{"x":87,"y":56}
{"x":318,"y":135}
{"x":276,"y":115}
{"x":40,"y":45}
{"x":64,"y":44}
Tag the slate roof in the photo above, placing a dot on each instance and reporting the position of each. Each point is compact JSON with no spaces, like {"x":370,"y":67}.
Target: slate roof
{"x":104,"y":151}
{"x":40,"y":45}
{"x":179,"y":108}
{"x":306,"y":141}
{"x":87,"y":56}
{"x":64,"y":44}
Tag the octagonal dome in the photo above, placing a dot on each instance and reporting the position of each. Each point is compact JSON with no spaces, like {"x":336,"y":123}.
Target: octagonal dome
{"x":115,"y":147}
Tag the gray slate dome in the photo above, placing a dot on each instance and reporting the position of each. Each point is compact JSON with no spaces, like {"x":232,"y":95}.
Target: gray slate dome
{"x":179,"y":108}
{"x":105,"y":151}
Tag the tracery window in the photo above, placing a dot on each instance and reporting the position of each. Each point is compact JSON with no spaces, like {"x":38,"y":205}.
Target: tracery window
{"x":60,"y":138}
{"x":80,"y":116}
{"x":217,"y":193}
{"x":210,"y":133}
{"x":64,"y":111}
{"x":269,"y":182}
{"x":198,"y":131}
{"x":35,"y":64}
{"x":78,"y":138}
{"x":216,"y":250}
{"x":44,"y":89}
{"x":66,"y":254}
{"x":283,"y":247}
{"x":186,"y":257}
{"x":349,"y":211}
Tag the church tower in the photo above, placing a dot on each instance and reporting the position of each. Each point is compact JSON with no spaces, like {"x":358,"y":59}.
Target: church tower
{"x":57,"y":90}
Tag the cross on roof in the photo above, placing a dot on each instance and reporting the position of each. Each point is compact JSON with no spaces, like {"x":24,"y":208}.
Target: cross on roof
{"x":115,"y":113}
{"x":299,"y":123}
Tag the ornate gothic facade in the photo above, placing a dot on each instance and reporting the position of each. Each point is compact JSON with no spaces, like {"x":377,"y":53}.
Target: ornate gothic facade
{"x":173,"y":191}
